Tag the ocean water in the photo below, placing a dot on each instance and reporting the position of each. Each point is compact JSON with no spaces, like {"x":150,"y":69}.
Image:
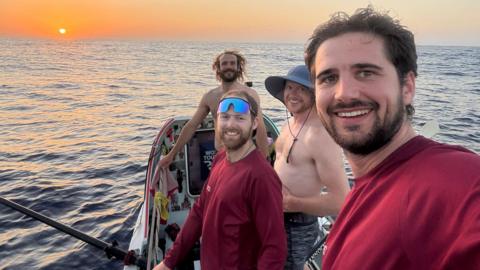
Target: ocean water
{"x":77,"y":120}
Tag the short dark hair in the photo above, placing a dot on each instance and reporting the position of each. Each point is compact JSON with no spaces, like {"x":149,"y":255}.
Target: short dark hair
{"x":398,"y":41}
{"x":241,"y":62}
{"x":242,"y":94}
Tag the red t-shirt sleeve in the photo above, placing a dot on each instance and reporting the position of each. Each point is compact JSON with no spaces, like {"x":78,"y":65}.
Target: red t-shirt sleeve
{"x":267,"y":211}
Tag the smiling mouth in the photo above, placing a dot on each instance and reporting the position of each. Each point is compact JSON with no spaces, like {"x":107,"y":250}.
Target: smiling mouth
{"x":352,"y":113}
{"x":294,"y":100}
{"x":231,"y":133}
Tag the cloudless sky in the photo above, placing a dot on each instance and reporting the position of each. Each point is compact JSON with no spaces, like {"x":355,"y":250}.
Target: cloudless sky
{"x":434,"y":22}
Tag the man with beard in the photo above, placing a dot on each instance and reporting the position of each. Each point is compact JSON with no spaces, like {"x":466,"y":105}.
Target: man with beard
{"x":309,"y":164}
{"x":229,"y":67}
{"x":239,"y":213}
{"x":415,"y":202}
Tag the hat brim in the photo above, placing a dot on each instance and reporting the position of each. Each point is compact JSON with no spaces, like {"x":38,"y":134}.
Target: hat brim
{"x":276,"y":84}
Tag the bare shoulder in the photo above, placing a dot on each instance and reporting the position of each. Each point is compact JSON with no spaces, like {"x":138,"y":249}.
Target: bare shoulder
{"x":212,"y":97}
{"x":252,"y":92}
{"x":317,"y":134}
{"x":319,"y":138}
{"x":212,"y":94}
{"x":283,"y":132}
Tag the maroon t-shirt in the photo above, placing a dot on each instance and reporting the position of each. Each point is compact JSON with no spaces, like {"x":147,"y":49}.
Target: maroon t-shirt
{"x":239,"y":216}
{"x":418,"y":209}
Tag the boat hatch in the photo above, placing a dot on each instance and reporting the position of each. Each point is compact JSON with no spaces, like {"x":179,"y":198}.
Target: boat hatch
{"x":199,"y":153}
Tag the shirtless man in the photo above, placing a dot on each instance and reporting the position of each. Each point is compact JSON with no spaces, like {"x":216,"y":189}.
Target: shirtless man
{"x":309,"y":164}
{"x":229,"y":67}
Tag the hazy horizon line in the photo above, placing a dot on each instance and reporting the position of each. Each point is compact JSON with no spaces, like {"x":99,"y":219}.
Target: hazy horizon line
{"x":158,"y":39}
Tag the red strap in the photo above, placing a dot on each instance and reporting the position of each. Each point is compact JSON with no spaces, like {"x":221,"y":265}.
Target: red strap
{"x":129,"y":258}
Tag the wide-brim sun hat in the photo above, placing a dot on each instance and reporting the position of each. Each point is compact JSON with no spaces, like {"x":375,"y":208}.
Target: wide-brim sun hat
{"x":298,"y":74}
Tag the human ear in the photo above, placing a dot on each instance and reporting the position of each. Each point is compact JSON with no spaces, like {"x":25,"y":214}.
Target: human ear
{"x":408,"y":88}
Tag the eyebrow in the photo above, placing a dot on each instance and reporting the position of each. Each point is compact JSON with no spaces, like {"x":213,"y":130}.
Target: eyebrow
{"x":234,"y":114}
{"x":325,"y":73}
{"x":356,"y":66}
{"x":367,"y":65}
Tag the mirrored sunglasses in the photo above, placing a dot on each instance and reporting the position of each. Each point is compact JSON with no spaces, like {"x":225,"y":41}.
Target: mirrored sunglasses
{"x":239,"y":105}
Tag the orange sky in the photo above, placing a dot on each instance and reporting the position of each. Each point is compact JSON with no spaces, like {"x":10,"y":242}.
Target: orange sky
{"x":433,"y":22}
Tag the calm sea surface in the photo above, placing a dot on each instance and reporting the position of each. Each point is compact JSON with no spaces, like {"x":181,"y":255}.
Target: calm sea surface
{"x":77,"y":120}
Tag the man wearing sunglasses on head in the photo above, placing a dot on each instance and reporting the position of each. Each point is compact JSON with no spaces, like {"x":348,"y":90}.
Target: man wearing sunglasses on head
{"x":239,"y":213}
{"x":230,"y":68}
{"x":309,"y":164}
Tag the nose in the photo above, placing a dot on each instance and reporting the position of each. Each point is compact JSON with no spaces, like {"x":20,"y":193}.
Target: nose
{"x":231,"y":65}
{"x":347,"y":88}
{"x":294,"y":90}
{"x":230,"y":122}
{"x":297,"y":89}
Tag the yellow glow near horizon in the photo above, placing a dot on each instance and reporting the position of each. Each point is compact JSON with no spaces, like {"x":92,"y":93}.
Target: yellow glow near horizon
{"x":62,"y":31}
{"x":453,"y":23}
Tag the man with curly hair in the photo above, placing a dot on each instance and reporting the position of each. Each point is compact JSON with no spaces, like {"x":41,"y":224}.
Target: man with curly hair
{"x":229,"y":67}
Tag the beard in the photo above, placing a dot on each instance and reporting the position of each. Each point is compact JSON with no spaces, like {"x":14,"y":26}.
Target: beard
{"x":379,"y":135}
{"x":303,"y":107}
{"x":228,"y":75}
{"x":235,"y":144}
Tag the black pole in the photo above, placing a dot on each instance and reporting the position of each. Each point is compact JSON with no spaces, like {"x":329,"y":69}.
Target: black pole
{"x":110,"y":249}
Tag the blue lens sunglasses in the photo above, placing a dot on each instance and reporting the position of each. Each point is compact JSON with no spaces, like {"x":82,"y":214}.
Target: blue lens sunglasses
{"x":239,"y":105}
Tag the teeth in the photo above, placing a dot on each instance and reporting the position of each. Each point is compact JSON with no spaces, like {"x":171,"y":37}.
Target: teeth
{"x":352,"y":114}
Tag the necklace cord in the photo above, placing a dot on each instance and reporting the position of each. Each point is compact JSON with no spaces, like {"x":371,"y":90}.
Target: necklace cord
{"x":246,"y":152}
{"x":295,"y":137}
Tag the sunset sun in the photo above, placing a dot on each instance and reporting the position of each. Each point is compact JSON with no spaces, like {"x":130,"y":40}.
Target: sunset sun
{"x":62,"y":31}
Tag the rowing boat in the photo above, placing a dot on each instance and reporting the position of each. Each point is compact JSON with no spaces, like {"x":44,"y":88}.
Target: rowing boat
{"x":157,"y":224}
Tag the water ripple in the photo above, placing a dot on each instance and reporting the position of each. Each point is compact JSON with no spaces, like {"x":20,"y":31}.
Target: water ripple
{"x":78,"y":120}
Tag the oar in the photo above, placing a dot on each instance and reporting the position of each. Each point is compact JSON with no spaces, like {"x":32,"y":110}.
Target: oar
{"x":429,"y":129}
{"x":110,"y":249}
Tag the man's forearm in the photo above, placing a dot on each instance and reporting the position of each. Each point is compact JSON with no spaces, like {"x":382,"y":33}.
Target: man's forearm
{"x":185,"y":135}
